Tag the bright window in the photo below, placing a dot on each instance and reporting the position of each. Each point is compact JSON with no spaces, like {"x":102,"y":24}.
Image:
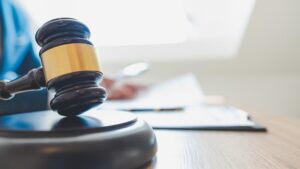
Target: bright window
{"x":154,"y":29}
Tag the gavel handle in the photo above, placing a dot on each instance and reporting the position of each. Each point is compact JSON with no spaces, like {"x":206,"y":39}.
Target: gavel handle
{"x":33,"y":80}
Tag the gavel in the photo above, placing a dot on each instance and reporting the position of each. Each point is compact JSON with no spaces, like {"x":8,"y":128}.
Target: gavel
{"x":69,"y":67}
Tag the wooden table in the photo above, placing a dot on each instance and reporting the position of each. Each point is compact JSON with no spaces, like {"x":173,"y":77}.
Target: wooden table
{"x":279,"y":148}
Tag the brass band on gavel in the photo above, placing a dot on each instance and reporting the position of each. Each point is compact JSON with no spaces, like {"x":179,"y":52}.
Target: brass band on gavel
{"x":69,"y":58}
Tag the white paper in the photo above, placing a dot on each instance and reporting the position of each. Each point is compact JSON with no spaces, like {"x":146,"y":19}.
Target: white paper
{"x":179,"y":92}
{"x":200,"y":116}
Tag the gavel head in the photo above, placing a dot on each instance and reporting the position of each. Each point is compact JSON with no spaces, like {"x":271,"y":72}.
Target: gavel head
{"x":70,"y":66}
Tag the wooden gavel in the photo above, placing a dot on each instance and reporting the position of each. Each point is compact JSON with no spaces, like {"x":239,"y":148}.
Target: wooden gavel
{"x":69,"y":67}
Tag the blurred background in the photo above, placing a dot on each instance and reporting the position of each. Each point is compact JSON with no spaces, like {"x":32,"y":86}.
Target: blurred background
{"x":244,"y":50}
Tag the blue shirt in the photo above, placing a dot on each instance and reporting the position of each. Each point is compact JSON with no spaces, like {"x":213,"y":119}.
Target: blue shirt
{"x":16,"y":41}
{"x":17,"y":57}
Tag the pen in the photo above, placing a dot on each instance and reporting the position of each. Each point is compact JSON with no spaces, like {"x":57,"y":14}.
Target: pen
{"x":154,"y":109}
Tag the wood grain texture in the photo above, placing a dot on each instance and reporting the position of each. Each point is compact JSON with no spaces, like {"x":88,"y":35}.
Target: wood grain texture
{"x":279,"y":148}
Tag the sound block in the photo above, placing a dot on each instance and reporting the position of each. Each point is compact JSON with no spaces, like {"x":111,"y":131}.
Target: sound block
{"x":95,"y":140}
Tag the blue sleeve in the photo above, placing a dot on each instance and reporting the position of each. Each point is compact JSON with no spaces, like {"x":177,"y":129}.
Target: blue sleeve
{"x":17,"y":39}
{"x":18,"y":56}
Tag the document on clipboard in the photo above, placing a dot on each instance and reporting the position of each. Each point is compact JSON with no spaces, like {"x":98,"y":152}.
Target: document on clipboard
{"x":184,"y":95}
{"x":203,"y":118}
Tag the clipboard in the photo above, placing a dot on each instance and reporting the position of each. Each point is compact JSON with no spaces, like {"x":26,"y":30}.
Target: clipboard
{"x":184,"y":92}
{"x":224,"y":118}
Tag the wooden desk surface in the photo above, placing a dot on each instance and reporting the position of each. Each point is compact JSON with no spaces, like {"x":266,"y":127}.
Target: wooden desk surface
{"x":279,"y":148}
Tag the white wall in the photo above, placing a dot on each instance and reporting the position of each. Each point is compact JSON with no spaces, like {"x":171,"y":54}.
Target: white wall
{"x":264,"y":76}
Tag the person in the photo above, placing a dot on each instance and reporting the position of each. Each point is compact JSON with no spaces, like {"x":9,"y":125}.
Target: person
{"x":17,"y":57}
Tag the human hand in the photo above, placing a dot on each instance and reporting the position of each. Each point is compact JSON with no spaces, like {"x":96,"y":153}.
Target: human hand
{"x":121,"y":90}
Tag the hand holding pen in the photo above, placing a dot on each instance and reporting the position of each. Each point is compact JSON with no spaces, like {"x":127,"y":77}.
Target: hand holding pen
{"x":120,"y":90}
